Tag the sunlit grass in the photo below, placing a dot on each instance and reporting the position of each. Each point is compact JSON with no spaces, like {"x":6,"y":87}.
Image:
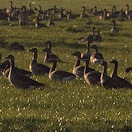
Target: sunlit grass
{"x":72,"y":106}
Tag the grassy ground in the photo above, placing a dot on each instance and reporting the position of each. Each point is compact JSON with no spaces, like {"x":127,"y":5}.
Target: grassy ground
{"x":72,"y":106}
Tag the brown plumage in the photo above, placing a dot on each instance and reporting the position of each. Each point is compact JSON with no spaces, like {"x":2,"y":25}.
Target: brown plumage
{"x":35,"y":67}
{"x":58,"y":75}
{"x":122,"y":82}
{"x":96,"y":56}
{"x":78,"y":69}
{"x":19,"y":80}
{"x":105,"y":80}
{"x":91,"y":76}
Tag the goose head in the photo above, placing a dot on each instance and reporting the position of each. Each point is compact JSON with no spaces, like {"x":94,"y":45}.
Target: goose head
{"x":52,"y":57}
{"x":34,"y":50}
{"x":77,"y":54}
{"x":49,"y":43}
{"x":103,"y":63}
{"x":114,"y":61}
{"x":10,"y":57}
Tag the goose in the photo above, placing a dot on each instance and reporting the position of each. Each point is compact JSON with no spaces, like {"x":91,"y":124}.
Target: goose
{"x":128,"y":69}
{"x":5,"y":68}
{"x":36,"y":21}
{"x":127,"y":10}
{"x":37,"y":68}
{"x":87,"y":53}
{"x":78,"y":70}
{"x":91,"y":76}
{"x":19,"y":80}
{"x":50,"y":23}
{"x":91,"y":37}
{"x":49,"y":46}
{"x":114,"y":28}
{"x":58,"y":75}
{"x":123,"y":83}
{"x":98,"y":37}
{"x":105,"y":80}
{"x":83,"y":14}
{"x":96,"y":56}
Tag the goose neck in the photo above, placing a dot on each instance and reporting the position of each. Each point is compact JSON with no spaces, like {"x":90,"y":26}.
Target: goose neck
{"x":53,"y":66}
{"x":35,"y":55}
{"x":86,"y":67}
{"x":104,"y":73}
{"x":77,"y":63}
{"x":114,"y":74}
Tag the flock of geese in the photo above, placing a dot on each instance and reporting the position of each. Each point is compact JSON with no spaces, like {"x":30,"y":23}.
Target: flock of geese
{"x":22,"y":14}
{"x":20,"y":78}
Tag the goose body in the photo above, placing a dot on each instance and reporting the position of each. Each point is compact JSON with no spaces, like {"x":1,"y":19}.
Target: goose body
{"x":5,"y":68}
{"x":123,"y":83}
{"x":96,"y":56}
{"x":58,"y":75}
{"x":87,"y":53}
{"x":91,"y":37}
{"x":91,"y":76}
{"x":37,"y":68}
{"x":105,"y":80}
{"x":78,"y":69}
{"x":19,"y":80}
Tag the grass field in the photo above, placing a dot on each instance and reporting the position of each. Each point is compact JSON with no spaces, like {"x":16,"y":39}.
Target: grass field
{"x":73,"y":106}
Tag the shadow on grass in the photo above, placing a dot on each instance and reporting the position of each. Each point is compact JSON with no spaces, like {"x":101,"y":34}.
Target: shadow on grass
{"x":37,"y":124}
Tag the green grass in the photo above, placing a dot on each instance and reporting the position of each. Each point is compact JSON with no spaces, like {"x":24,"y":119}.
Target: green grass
{"x":73,"y":106}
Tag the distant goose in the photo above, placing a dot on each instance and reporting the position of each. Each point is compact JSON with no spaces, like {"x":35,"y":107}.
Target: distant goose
{"x":49,"y":46}
{"x":19,"y":80}
{"x":114,"y":28}
{"x":98,"y":37}
{"x":5,"y":68}
{"x":96,"y":56}
{"x":91,"y":37}
{"x":128,"y":69}
{"x":83,"y":14}
{"x":58,"y":75}
{"x":87,"y":53}
{"x":91,"y":76}
{"x":35,"y":67}
{"x":50,"y":23}
{"x":105,"y":80}
{"x":123,"y":83}
{"x":78,"y":69}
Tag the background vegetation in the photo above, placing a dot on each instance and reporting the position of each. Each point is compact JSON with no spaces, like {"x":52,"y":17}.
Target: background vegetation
{"x":72,"y":106}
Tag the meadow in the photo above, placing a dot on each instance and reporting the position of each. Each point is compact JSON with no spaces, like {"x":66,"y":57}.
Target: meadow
{"x":71,"y":106}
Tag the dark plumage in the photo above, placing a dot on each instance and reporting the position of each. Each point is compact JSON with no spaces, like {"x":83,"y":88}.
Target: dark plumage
{"x":122,"y":82}
{"x":78,"y":69}
{"x":91,"y":76}
{"x":96,"y":56}
{"x":128,"y":69}
{"x":35,"y":67}
{"x":105,"y":80}
{"x":49,"y":46}
{"x":19,"y":80}
{"x":5,"y":68}
{"x":58,"y":75}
